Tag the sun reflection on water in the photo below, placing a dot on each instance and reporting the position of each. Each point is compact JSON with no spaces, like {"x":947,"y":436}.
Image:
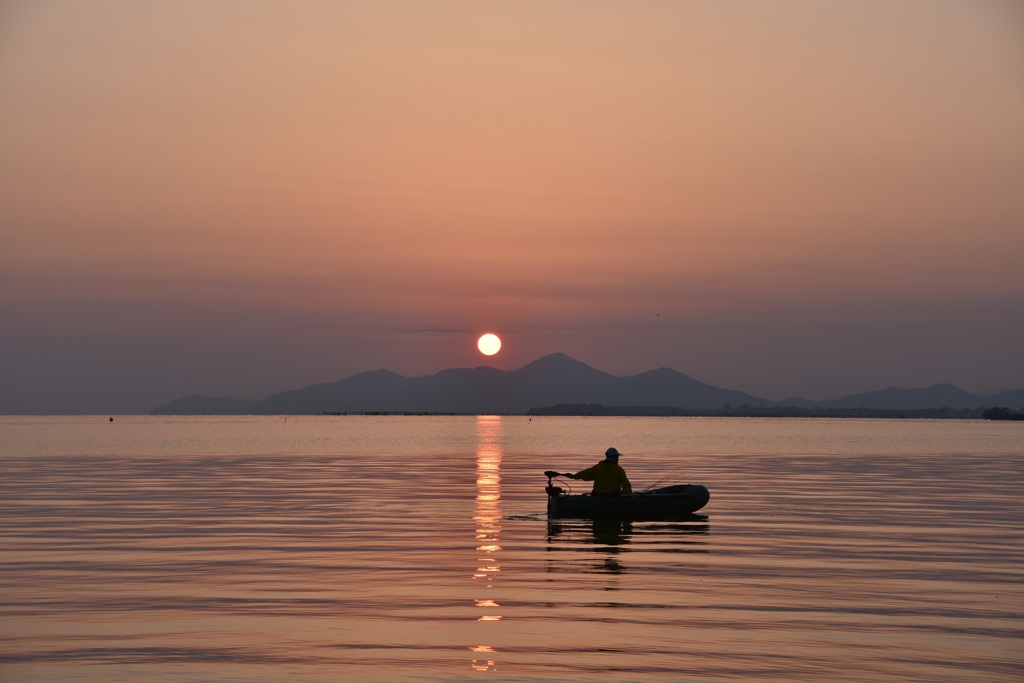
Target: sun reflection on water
{"x":487,"y":516}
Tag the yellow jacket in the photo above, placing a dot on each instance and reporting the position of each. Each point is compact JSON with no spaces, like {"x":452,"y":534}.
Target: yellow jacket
{"x":608,"y":478}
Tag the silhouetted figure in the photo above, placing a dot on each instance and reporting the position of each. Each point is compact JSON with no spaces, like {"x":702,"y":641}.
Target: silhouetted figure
{"x":608,"y":477}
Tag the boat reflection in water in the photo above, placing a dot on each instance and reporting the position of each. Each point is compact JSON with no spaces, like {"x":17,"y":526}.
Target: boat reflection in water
{"x":487,"y":516}
{"x":602,"y":544}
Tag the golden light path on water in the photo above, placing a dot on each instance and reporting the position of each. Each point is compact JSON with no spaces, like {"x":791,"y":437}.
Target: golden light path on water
{"x":487,"y":518}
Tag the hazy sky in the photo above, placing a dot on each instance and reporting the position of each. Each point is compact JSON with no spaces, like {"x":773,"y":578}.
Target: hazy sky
{"x":787,"y":197}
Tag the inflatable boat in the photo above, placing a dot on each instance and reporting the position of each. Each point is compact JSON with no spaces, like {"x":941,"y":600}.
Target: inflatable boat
{"x":662,"y":503}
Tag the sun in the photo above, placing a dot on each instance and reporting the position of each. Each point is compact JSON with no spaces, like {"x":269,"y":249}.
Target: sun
{"x":489,"y":344}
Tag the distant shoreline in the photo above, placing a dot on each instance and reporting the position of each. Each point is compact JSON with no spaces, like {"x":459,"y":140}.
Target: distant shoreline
{"x":763,"y":411}
{"x":598,"y":410}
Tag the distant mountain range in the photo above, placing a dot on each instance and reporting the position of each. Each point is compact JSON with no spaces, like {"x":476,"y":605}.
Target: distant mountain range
{"x":559,"y":383}
{"x":938,"y":396}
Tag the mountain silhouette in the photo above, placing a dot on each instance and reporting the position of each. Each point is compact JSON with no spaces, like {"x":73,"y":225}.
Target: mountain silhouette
{"x":1013,"y":398}
{"x":554,"y":380}
{"x":551,"y":380}
{"x":938,"y":396}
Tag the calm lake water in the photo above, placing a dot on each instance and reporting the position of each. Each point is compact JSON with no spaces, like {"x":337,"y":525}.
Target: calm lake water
{"x":171,"y":549}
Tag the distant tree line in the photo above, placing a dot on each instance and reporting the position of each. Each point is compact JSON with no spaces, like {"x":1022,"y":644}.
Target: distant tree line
{"x":1002,"y":414}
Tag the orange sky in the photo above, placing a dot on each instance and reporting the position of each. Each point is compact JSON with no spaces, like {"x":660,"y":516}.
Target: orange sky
{"x":234,"y":198}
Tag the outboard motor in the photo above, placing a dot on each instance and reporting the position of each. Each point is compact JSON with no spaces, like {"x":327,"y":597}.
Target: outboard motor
{"x":554,"y":493}
{"x":550,"y":489}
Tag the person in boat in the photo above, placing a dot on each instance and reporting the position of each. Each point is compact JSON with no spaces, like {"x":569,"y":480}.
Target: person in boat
{"x":608,"y":476}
